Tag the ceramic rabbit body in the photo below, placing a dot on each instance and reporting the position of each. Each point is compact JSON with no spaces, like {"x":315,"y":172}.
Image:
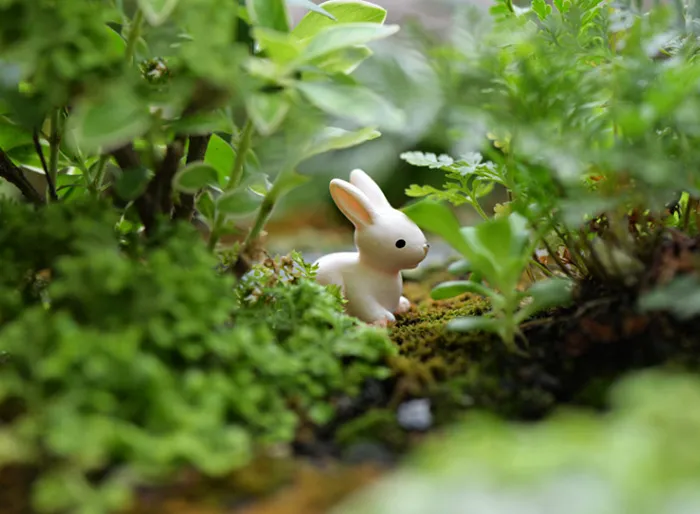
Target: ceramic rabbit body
{"x":387,"y":242}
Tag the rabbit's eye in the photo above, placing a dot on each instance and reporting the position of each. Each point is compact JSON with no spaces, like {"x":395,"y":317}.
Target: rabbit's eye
{"x":400,"y":243}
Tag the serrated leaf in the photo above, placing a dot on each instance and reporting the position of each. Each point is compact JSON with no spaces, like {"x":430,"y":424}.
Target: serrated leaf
{"x":157,"y":11}
{"x":195,"y":176}
{"x":267,"y":110}
{"x":346,"y":35}
{"x":344,"y":11}
{"x":437,"y":218}
{"x":271,"y":14}
{"x":353,"y":102}
{"x":239,"y":202}
{"x":427,"y":160}
{"x":333,"y":138}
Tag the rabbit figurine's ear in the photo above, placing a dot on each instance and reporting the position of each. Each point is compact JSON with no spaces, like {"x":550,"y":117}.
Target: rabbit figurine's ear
{"x":369,"y":187}
{"x":352,"y":202}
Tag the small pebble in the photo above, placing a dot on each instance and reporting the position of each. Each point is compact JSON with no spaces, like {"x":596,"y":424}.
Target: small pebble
{"x":415,"y":415}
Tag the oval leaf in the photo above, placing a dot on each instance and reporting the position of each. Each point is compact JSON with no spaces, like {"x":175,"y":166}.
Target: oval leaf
{"x":353,"y":102}
{"x":132,"y":183}
{"x":334,"y":138}
{"x":239,"y":202}
{"x":106,"y":122}
{"x":436,"y":217}
{"x":221,"y":156}
{"x":347,"y":35}
{"x":195,"y":176}
{"x":267,"y":110}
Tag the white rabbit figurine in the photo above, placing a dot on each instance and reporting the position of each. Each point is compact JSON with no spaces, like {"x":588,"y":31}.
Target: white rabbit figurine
{"x":387,"y":242}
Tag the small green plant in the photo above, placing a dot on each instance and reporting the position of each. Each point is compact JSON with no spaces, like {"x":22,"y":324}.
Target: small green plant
{"x":498,"y":251}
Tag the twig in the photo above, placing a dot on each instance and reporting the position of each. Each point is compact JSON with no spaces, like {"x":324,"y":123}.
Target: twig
{"x":128,"y":159}
{"x":163,"y":181}
{"x":40,"y":152}
{"x":14,"y":176}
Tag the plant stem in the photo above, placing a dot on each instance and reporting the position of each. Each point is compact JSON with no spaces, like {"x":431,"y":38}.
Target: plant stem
{"x":134,"y":34}
{"x":99,"y":173}
{"x":241,"y":152}
{"x":475,"y":204}
{"x":264,"y":212}
{"x":54,"y":143}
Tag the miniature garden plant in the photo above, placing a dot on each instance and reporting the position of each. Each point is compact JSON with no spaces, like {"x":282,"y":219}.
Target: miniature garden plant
{"x":498,"y":251}
{"x":585,"y":114}
{"x":175,"y":107}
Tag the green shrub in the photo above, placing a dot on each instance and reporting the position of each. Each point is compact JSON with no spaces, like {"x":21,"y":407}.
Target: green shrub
{"x":135,"y":364}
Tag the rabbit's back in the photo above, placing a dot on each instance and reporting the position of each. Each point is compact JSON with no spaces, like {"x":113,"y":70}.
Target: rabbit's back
{"x":333,"y":267}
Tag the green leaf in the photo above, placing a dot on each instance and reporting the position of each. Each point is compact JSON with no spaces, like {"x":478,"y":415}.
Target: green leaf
{"x":271,"y":14}
{"x":454,"y":288}
{"x":546,"y":294}
{"x":541,"y":8}
{"x":281,"y":47}
{"x":343,"y":61}
{"x":267,"y":110}
{"x":206,"y":206}
{"x":131,"y":183}
{"x":108,"y":121}
{"x":239,"y":202}
{"x":344,"y":11}
{"x":438,"y":218}
{"x":157,"y":11}
{"x":309,"y":5}
{"x":474,"y":324}
{"x":460,"y":267}
{"x":13,"y":136}
{"x":195,"y":176}
{"x":353,"y":102}
{"x":333,"y":138}
{"x":345,"y":35}
{"x":285,"y":182}
{"x":680,"y":296}
{"x":427,"y":160}
{"x":221,"y":156}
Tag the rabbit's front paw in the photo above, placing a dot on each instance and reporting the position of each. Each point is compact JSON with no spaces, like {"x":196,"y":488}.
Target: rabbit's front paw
{"x":385,"y":320}
{"x":404,"y":305}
